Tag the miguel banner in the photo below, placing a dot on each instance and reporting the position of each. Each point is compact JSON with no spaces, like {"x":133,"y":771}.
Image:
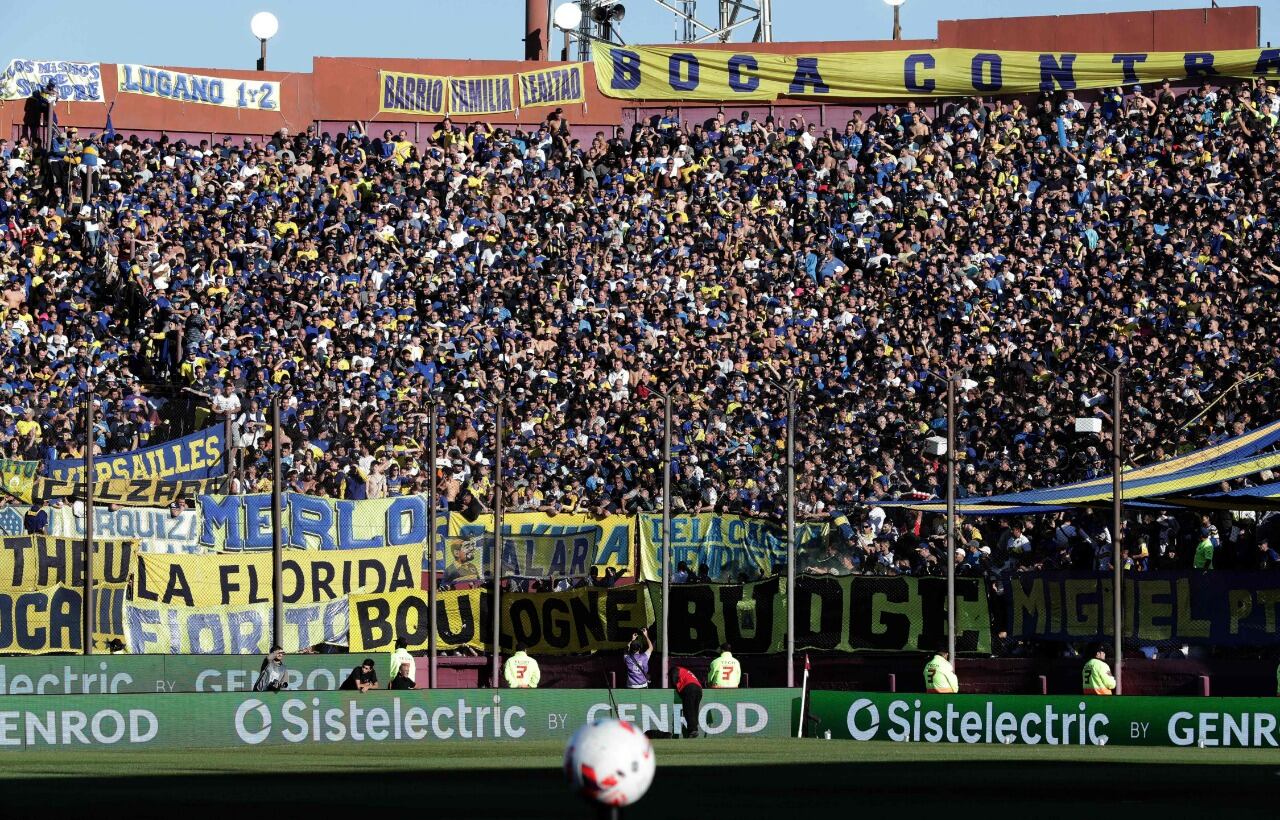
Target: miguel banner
{"x":76,"y":82}
{"x":713,"y":75}
{"x":537,"y":545}
{"x":1215,"y":608}
{"x":576,"y":621}
{"x":156,"y":529}
{"x":844,"y":614}
{"x":30,"y":562}
{"x":241,"y":579}
{"x":50,"y":619}
{"x":129,"y":492}
{"x":243,"y":522}
{"x":481,"y":95}
{"x":228,"y":92}
{"x":198,"y":455}
{"x":729,"y":545}
{"x":240,"y":629}
{"x":1052,"y":720}
{"x":551,"y":86}
{"x":404,"y":93}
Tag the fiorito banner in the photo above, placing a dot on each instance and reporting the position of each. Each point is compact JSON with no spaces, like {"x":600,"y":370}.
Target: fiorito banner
{"x":481,"y":95}
{"x":198,"y":455}
{"x":235,"y":629}
{"x":844,"y":614}
{"x":30,"y":562}
{"x":575,"y":621}
{"x":1212,"y":608}
{"x":559,"y":85}
{"x":129,"y":492}
{"x":156,"y":529}
{"x":50,"y":619}
{"x":243,"y":522}
{"x":537,"y":545}
{"x":239,"y":720}
{"x":137,"y":674}
{"x":245,"y":578}
{"x":1049,"y":720}
{"x":730,"y":545}
{"x":404,"y":93}
{"x":179,"y":86}
{"x":76,"y":82}
{"x":714,"y":75}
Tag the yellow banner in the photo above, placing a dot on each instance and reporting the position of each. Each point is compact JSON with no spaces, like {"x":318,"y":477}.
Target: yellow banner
{"x":690,"y":73}
{"x":29,"y":562}
{"x":537,"y":545}
{"x":551,"y":86}
{"x":126,"y":492}
{"x":404,"y":93}
{"x":307,"y":576}
{"x":50,"y":619}
{"x":577,"y":621}
{"x":16,"y":477}
{"x":734,"y":548}
{"x":481,"y":95}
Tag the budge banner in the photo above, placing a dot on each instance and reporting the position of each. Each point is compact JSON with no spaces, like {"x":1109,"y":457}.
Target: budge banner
{"x":537,"y":545}
{"x":579,"y":620}
{"x":691,"y":73}
{"x":404,"y":93}
{"x":76,"y":82}
{"x":29,"y":562}
{"x":50,"y":619}
{"x":845,"y":614}
{"x":1052,"y":720}
{"x":198,"y":455}
{"x":236,"y":629}
{"x":136,"y":674}
{"x":241,"y":579}
{"x":156,"y":529}
{"x":236,"y":720}
{"x":729,"y":545}
{"x":258,"y":95}
{"x":551,"y":86}
{"x":1215,"y":608}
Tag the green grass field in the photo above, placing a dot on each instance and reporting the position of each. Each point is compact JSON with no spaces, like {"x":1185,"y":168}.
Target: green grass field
{"x":696,"y":778}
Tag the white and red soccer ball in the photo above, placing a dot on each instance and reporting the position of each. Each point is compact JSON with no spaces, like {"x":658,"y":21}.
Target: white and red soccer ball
{"x":610,"y":761}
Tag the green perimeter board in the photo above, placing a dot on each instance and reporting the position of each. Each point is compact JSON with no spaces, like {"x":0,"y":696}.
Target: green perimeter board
{"x":233,"y":720}
{"x":132,"y":674}
{"x":1049,"y":720}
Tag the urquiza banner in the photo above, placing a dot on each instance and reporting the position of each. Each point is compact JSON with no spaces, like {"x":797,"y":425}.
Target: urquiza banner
{"x":198,"y":455}
{"x":127,"y":492}
{"x":307,"y":577}
{"x":236,"y":720}
{"x":560,"y":85}
{"x":537,"y":545}
{"x":137,"y":674}
{"x":575,"y":621}
{"x":1243,"y":723}
{"x":731,"y":546}
{"x":686,"y":72}
{"x":403,"y":93}
{"x":1214,"y":608}
{"x":481,"y":95}
{"x":75,"y":82}
{"x":234,"y":629}
{"x":179,"y":86}
{"x":844,"y":614}
{"x":155,"y":529}
{"x":30,"y":562}
{"x":243,"y":522}
{"x":51,"y":619}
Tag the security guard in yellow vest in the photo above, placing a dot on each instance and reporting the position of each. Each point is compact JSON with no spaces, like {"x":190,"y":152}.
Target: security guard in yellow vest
{"x":725,"y":672}
{"x":940,"y":675}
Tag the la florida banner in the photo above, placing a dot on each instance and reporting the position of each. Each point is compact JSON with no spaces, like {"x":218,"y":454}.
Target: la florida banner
{"x":685,"y":73}
{"x":179,"y":86}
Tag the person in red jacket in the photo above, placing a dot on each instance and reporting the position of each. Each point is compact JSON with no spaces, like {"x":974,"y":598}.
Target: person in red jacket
{"x":690,"y":692}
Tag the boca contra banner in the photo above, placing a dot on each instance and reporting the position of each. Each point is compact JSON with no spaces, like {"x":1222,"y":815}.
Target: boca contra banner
{"x":50,"y":619}
{"x":228,"y":92}
{"x":560,"y":85}
{"x":75,"y":82}
{"x":713,"y":75}
{"x":196,"y":456}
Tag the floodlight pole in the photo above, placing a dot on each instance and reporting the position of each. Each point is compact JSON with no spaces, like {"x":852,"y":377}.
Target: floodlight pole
{"x":277,"y":544}
{"x":1117,"y":514}
{"x":88,"y":599}
{"x":433,"y":498}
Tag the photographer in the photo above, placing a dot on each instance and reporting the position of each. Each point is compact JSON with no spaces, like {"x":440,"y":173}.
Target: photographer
{"x":273,"y":676}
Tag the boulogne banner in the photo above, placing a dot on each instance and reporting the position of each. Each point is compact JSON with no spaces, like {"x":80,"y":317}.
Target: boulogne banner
{"x":1216,"y":608}
{"x":179,"y":86}
{"x":235,"y":629}
{"x":156,"y":529}
{"x":234,"y":720}
{"x":403,"y":93}
{"x":1049,"y":720}
{"x":75,"y":82}
{"x":307,"y":577}
{"x":198,"y":455}
{"x":537,"y":545}
{"x":560,"y":85}
{"x":50,"y":619}
{"x":576,"y":621}
{"x":845,"y":614}
{"x":730,"y":545}
{"x":713,"y":75}
{"x":30,"y":562}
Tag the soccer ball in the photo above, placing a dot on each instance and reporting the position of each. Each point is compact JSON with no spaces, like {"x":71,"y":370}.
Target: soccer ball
{"x":610,"y":762}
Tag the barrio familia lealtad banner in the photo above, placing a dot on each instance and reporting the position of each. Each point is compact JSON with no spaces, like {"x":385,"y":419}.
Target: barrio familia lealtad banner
{"x":713,"y":75}
{"x":179,"y":86}
{"x":401,"y":92}
{"x":559,"y":85}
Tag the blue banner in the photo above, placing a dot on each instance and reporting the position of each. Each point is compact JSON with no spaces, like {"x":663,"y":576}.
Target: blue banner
{"x":228,"y":92}
{"x":198,"y":455}
{"x":75,"y":82}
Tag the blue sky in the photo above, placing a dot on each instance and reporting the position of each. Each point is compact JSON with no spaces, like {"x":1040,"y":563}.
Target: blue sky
{"x":217,"y":34}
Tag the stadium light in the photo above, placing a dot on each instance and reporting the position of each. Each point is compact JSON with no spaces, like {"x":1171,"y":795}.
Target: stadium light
{"x":264,"y":26}
{"x":567,"y":16}
{"x":897,"y":23}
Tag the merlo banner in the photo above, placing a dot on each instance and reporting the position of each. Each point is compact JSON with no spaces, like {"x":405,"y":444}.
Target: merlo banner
{"x":685,"y":72}
{"x":576,"y":621}
{"x":243,"y":522}
{"x":1049,"y":720}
